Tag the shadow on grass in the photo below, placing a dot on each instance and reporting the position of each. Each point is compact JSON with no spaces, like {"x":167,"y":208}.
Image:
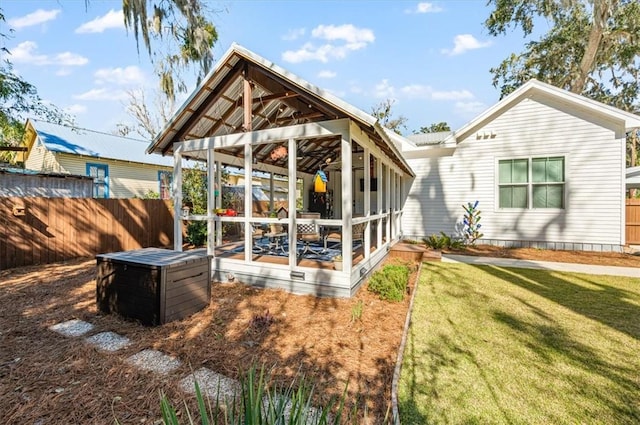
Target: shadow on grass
{"x":604,"y":303}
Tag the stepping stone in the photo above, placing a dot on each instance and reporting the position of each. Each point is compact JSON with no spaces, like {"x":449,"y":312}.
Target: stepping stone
{"x":75,"y":327}
{"x":212,"y":385}
{"x":284,"y":405}
{"x":154,"y":361}
{"x":108,"y":341}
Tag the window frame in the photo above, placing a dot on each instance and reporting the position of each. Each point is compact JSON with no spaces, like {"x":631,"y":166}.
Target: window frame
{"x":104,"y":167}
{"x":530,"y":184}
{"x":169,"y":187}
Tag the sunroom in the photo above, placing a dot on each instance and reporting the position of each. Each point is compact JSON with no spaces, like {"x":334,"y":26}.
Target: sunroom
{"x":304,"y":191}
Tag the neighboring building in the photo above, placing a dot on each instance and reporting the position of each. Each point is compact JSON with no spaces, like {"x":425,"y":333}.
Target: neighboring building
{"x":547,"y":167}
{"x":28,"y":183}
{"x":119,"y":166}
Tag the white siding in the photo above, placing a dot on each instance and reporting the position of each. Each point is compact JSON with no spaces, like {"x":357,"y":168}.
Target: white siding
{"x":532,"y":128}
{"x":42,"y":160}
{"x":126,"y":179}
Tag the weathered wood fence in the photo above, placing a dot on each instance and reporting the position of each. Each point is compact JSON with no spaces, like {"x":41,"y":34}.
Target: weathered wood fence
{"x":48,"y":230}
{"x":633,"y":222}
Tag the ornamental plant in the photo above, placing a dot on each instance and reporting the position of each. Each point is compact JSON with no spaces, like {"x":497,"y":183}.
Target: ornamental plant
{"x":471,"y":223}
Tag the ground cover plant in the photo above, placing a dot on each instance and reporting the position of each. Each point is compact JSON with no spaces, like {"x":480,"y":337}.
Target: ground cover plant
{"x":499,"y":345}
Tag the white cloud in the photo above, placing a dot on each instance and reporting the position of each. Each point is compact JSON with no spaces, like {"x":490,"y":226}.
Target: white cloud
{"x":26,"y":52}
{"x":384,"y":90}
{"x":342,"y":39}
{"x":425,"y":7}
{"x":63,"y":72}
{"x":348,"y":33}
{"x":326,"y":74}
{"x":130,"y":75}
{"x":113,"y":19}
{"x":75,"y":109}
{"x":470,"y":109}
{"x":294,"y":34}
{"x":40,"y":16}
{"x":427,"y":92}
{"x":464,"y":42}
{"x":102,"y":94}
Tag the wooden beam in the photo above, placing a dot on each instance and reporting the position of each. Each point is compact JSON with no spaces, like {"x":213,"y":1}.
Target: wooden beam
{"x":210,"y":99}
{"x":246,"y":104}
{"x":13,"y":148}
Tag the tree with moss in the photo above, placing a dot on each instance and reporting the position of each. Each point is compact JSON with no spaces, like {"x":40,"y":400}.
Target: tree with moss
{"x":383,"y":112}
{"x":434,"y":128}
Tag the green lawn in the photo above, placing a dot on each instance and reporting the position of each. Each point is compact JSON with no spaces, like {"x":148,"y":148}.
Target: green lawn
{"x":499,"y":345}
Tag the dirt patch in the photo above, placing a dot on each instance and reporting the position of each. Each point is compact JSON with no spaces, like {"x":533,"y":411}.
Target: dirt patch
{"x":581,"y":257}
{"x":48,"y":378}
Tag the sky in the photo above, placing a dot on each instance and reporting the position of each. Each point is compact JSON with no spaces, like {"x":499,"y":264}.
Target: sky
{"x":431,"y":58}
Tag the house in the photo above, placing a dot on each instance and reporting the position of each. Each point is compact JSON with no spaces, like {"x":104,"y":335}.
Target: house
{"x":118,"y":165}
{"x":547,"y":167}
{"x":252,"y":115}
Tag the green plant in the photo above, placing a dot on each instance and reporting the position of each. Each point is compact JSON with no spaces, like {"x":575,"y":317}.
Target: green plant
{"x":443,"y":241}
{"x":197,"y":232}
{"x":262,"y":321}
{"x":356,"y":311}
{"x":390,"y":283}
{"x":259,"y":404}
{"x":471,"y":222}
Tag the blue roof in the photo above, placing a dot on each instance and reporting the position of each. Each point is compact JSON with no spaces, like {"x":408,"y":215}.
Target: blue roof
{"x":80,"y":141}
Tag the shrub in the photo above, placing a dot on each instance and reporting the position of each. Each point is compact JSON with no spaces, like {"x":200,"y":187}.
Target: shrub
{"x":197,"y":233}
{"x":443,"y":241}
{"x":390,"y":283}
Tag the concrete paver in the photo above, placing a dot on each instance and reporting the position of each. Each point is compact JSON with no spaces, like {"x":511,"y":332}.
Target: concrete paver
{"x":545,"y":265}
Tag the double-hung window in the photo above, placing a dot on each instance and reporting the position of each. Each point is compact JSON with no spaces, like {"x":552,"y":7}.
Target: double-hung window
{"x":164,"y":182}
{"x":531,"y":182}
{"x":100,"y":174}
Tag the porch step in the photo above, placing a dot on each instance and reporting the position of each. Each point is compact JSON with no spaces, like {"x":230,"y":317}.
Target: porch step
{"x":413,"y":252}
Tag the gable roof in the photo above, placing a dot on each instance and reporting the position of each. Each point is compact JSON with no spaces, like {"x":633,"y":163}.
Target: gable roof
{"x":279,"y":98}
{"x":534,"y":87}
{"x":79,"y":141}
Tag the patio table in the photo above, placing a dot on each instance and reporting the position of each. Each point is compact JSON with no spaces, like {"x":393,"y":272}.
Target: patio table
{"x":276,"y":242}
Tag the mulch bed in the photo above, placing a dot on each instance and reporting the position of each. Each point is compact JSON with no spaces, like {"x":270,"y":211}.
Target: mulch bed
{"x":48,"y":378}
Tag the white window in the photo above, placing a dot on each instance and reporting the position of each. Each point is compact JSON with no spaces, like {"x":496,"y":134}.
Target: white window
{"x":531,"y":182}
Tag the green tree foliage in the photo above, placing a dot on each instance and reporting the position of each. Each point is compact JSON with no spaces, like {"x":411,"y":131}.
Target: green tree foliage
{"x":383,"y":112}
{"x":434,"y":128}
{"x":592,"y":47}
{"x":176,"y":34}
{"x":18,"y":98}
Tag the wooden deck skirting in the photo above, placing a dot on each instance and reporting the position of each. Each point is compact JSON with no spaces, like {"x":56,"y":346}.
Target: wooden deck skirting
{"x":413,"y":252}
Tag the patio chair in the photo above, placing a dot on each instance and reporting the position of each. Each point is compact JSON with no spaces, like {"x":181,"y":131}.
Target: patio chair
{"x":309,"y":233}
{"x":357,"y":235}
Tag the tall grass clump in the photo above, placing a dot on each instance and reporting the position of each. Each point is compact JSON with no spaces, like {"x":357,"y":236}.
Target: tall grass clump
{"x":259,"y":404}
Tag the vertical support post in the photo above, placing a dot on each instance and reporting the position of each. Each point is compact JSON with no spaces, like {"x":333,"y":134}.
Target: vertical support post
{"x":271,"y":192}
{"x":379,"y":178}
{"x":247,"y":101}
{"x":387,"y":196}
{"x":366,"y":155}
{"x":292,"y":202}
{"x":211,"y":201}
{"x":347,"y":204}
{"x":176,"y":188}
{"x":248,"y":199}
{"x":218,"y":202}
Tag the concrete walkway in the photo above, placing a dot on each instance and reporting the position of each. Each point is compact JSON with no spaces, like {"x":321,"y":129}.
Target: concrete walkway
{"x":544,"y":265}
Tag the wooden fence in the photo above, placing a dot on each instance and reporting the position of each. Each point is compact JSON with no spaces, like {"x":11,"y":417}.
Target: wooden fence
{"x":48,"y":230}
{"x":633,"y":222}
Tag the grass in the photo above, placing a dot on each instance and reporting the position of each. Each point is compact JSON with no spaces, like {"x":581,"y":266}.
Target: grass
{"x":498,"y":345}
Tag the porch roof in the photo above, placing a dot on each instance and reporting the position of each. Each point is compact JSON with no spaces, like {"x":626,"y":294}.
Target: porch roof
{"x":279,"y":99}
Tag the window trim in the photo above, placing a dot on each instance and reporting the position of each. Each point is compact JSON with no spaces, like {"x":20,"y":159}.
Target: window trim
{"x":160,"y":173}
{"x":530,"y":184}
{"x":105,"y":167}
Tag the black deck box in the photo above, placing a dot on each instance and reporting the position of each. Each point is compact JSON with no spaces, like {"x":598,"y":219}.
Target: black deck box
{"x":152,"y":285}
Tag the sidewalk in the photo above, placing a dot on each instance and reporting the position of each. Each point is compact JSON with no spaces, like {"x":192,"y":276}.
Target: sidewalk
{"x":544,"y":265}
